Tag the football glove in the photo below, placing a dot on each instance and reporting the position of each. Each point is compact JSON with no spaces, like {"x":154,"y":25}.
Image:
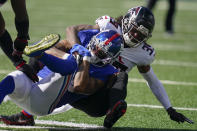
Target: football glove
{"x":27,"y":70}
{"x":82,"y":51}
{"x":178,"y":117}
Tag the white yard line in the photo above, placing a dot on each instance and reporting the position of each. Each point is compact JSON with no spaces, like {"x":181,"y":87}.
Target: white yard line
{"x":167,"y":82}
{"x":174,"y":47}
{"x":175,"y":63}
{"x":51,"y":125}
{"x":160,"y":107}
{"x":5,"y":71}
{"x":69,"y":124}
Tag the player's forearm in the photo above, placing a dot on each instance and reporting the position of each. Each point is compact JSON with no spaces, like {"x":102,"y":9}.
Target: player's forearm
{"x":71,"y":35}
{"x":72,"y":32}
{"x":63,"y":45}
{"x":55,"y":52}
{"x":157,"y":88}
{"x":82,"y":78}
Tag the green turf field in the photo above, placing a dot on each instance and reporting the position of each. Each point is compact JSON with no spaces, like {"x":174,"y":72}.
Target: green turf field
{"x":175,"y":64}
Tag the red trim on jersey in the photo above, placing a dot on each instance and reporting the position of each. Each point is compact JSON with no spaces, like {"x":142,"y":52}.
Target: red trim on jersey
{"x":68,"y":80}
{"x":112,"y":38}
{"x":120,"y":59}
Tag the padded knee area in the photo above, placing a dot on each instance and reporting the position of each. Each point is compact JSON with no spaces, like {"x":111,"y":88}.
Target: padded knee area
{"x":6,"y":87}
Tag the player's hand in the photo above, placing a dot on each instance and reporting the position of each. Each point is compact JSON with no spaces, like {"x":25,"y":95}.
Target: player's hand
{"x":81,"y":50}
{"x":178,"y":117}
{"x":29,"y":71}
{"x":19,"y":46}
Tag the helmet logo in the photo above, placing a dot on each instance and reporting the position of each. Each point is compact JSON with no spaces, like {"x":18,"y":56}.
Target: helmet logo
{"x":105,"y":47}
{"x":134,"y":10}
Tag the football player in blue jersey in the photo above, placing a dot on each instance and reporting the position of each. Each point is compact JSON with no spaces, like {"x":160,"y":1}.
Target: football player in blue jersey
{"x":61,"y":78}
{"x":85,"y":37}
{"x":14,"y":50}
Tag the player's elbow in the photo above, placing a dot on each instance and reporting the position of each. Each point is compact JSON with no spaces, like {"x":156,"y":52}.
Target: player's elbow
{"x":71,"y":29}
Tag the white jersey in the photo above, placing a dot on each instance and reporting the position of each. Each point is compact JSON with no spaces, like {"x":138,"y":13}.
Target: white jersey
{"x":130,"y":57}
{"x":141,"y":55}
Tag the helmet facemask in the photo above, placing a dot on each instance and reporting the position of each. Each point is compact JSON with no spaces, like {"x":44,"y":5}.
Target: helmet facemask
{"x":133,"y":29}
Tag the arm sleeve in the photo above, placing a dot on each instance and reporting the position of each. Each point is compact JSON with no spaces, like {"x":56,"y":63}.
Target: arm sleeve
{"x":62,"y":66}
{"x":157,"y":88}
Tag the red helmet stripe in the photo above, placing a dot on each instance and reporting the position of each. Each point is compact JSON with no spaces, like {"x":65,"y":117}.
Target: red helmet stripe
{"x":112,"y":38}
{"x":137,"y":10}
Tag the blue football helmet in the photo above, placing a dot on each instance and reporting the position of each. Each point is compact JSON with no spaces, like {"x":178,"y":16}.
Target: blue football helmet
{"x":105,"y":47}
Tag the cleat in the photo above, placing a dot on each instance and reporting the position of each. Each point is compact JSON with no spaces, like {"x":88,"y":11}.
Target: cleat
{"x":115,"y":113}
{"x":18,"y":119}
{"x":39,"y":47}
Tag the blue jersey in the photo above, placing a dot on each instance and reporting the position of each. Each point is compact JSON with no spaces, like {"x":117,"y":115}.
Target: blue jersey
{"x":101,"y":73}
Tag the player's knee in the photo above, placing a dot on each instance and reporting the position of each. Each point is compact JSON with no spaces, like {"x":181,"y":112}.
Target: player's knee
{"x":121,"y":82}
{"x":123,"y":76}
{"x":7,"y":85}
{"x":20,"y":79}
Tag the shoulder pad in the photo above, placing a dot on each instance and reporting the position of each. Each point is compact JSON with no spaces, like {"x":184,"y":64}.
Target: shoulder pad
{"x":105,"y":17}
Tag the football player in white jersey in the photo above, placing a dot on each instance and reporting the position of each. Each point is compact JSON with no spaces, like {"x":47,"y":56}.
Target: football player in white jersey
{"x":136,"y":28}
